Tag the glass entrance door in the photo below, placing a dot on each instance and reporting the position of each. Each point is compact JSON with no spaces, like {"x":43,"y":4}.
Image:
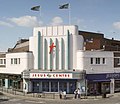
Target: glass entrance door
{"x":45,"y":86}
{"x":54,"y":86}
{"x":72,"y":87}
{"x":35,"y":86}
{"x":63,"y":86}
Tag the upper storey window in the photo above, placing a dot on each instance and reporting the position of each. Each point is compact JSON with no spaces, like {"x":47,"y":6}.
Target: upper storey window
{"x":97,"y":61}
{"x":15,"y":60}
{"x":2,"y":61}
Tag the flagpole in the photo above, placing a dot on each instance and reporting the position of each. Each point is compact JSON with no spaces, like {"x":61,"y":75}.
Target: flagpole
{"x":67,"y":6}
{"x":40,"y":11}
{"x":69,"y":14}
{"x":40,"y":17}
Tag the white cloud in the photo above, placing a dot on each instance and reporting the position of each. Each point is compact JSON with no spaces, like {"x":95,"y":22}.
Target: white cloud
{"x":116,"y":25}
{"x":57,"y":21}
{"x":2,"y":23}
{"x":26,"y":21}
{"x":79,"y":22}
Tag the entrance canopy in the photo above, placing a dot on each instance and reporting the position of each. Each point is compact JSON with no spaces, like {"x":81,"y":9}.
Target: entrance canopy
{"x":57,"y":74}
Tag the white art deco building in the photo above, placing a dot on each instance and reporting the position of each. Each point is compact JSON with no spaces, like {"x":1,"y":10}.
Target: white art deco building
{"x":55,"y":60}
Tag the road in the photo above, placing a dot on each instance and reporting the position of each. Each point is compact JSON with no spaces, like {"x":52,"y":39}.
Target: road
{"x":12,"y":100}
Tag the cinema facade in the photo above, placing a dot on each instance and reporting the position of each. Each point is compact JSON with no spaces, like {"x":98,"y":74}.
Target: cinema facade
{"x":55,"y":60}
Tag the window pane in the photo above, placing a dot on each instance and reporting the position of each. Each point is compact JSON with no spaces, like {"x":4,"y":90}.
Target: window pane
{"x":11,"y":61}
{"x":97,"y":60}
{"x":4,"y":61}
{"x":103,"y":60}
{"x":18,"y":60}
{"x":15,"y":61}
{"x":91,"y":61}
{"x":1,"y":61}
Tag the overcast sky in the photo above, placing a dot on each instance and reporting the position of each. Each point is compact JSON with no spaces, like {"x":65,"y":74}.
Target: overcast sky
{"x":17,"y":19}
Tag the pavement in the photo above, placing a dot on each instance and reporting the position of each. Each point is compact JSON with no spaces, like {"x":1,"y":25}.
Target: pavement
{"x":71,"y":96}
{"x":35,"y":97}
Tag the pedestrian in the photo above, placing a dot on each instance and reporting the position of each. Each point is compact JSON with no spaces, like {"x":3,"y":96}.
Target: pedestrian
{"x":79,"y":93}
{"x":60,"y":94}
{"x":95,"y":93}
{"x":64,"y":94}
{"x":75,"y":92}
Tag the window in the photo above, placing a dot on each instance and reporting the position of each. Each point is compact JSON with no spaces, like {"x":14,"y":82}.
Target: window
{"x":116,"y":62}
{"x":18,"y":60}
{"x":15,"y":60}
{"x":97,"y":60}
{"x":91,"y":60}
{"x":103,"y":60}
{"x":1,"y":61}
{"x":4,"y":61}
{"x":119,"y":60}
{"x":11,"y":61}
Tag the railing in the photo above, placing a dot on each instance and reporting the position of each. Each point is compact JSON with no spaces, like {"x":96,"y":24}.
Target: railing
{"x":14,"y":91}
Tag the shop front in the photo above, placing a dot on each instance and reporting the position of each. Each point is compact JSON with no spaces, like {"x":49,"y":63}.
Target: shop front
{"x":100,"y":83}
{"x":39,"y":82}
{"x":10,"y":81}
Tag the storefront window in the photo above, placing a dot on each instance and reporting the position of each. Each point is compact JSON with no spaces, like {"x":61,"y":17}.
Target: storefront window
{"x":106,"y":87}
{"x":54,"y":86}
{"x":117,"y":86}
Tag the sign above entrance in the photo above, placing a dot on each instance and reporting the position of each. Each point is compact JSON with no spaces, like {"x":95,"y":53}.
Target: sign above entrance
{"x":51,"y":75}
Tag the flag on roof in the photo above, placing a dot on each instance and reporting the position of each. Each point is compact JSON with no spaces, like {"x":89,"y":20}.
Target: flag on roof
{"x":64,"y":6}
{"x":35,"y":8}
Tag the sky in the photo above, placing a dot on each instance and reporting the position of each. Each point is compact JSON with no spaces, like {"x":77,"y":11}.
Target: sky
{"x":17,"y":20}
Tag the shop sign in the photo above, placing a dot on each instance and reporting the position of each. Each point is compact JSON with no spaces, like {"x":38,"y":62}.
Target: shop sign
{"x":51,"y":75}
{"x":103,"y":77}
{"x":113,"y":76}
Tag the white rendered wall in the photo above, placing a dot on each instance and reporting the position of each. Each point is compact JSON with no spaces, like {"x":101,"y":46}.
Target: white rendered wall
{"x":58,"y":33}
{"x":33,"y":47}
{"x":77,"y":45}
{"x":83,"y":62}
{"x":2,"y":69}
{"x":26,"y":62}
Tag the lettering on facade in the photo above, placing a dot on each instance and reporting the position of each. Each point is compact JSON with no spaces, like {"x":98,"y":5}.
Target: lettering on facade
{"x":113,"y":76}
{"x":51,"y":75}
